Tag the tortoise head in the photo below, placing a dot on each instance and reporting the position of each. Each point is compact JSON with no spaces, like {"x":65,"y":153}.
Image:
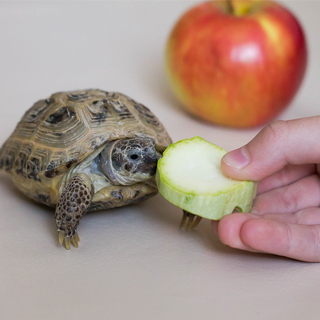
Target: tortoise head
{"x":128,"y":161}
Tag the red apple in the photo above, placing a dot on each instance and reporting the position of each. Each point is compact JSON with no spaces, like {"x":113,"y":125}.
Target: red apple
{"x":236,"y":63}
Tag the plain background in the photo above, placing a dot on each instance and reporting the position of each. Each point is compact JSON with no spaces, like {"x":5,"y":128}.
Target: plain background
{"x":133,"y":262}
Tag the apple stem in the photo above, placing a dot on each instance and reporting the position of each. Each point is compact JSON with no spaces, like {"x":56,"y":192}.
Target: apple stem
{"x":230,"y":7}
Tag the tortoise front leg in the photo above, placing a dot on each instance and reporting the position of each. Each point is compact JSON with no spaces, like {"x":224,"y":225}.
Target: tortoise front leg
{"x":73,"y":203}
{"x":189,"y":220}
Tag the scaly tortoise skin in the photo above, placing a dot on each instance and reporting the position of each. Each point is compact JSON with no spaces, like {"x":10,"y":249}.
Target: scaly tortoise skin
{"x":82,"y":151}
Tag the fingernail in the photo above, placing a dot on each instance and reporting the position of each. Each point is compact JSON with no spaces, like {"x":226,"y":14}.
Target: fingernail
{"x":238,"y":158}
{"x":255,"y":211}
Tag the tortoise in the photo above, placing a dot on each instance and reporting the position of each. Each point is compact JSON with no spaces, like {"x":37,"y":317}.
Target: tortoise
{"x":82,"y":151}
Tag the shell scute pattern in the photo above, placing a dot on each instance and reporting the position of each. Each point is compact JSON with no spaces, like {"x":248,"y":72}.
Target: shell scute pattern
{"x":44,"y":198}
{"x":8,"y":156}
{"x":57,"y":133}
{"x":78,"y":97}
{"x":62,"y":115}
{"x":33,"y":169}
{"x":146,"y":114}
{"x":120,"y":110}
{"x":98,"y":111}
{"x":33,"y":114}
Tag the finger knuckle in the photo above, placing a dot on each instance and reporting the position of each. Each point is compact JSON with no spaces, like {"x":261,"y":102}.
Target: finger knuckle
{"x":289,"y":238}
{"x":290,"y":200}
{"x":282,"y":176}
{"x":315,"y":234}
{"x":275,"y":130}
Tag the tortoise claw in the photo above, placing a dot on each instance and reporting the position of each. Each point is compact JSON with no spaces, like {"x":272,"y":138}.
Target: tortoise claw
{"x":74,"y":240}
{"x":67,"y":243}
{"x":60,"y":237}
{"x":189,"y":220}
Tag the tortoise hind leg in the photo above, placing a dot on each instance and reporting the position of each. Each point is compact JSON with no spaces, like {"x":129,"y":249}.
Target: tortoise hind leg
{"x":73,"y":203}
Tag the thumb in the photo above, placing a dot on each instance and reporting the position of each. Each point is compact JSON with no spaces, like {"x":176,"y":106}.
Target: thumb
{"x":278,"y":144}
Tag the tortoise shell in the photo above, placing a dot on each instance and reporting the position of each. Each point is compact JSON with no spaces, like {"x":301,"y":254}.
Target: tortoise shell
{"x":58,"y":133}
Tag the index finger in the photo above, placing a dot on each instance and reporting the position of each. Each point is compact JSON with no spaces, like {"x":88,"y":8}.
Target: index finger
{"x":280,"y":143}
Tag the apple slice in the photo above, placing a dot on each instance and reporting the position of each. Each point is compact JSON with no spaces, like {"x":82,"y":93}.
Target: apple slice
{"x":190,"y":177}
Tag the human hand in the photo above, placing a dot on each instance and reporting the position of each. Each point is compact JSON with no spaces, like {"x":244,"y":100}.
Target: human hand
{"x":285,"y":217}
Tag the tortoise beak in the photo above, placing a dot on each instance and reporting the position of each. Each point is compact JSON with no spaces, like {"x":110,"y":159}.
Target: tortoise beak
{"x":153,"y":161}
{"x":158,"y":155}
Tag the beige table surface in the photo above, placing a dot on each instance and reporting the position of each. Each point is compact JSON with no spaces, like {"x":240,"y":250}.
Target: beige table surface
{"x":133,"y":263}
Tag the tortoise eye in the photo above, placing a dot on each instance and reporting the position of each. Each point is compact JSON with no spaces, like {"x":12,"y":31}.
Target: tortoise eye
{"x":134,"y":154}
{"x":134,"y":157}
{"x":61,"y":115}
